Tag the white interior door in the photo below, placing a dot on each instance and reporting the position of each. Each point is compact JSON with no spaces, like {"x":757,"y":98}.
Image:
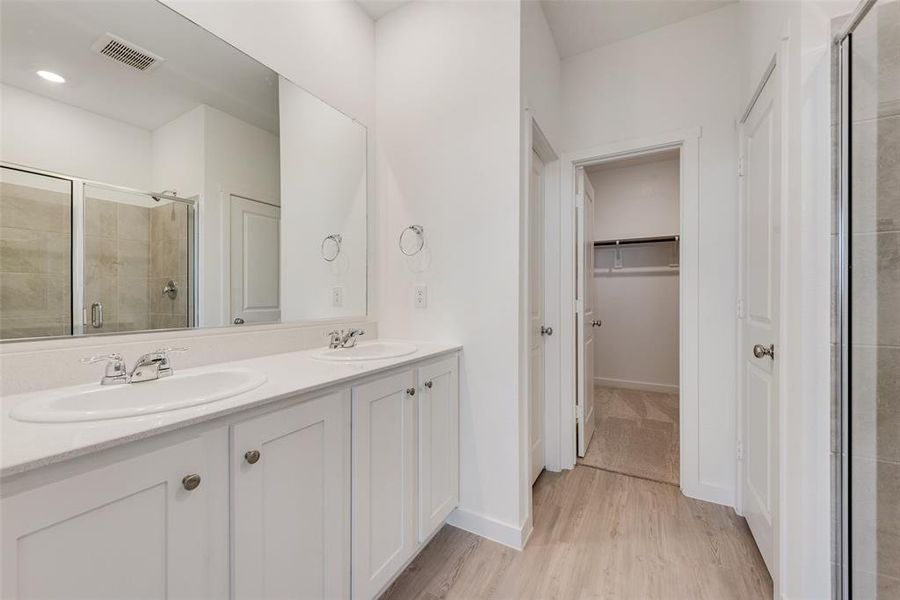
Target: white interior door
{"x":536,"y":302}
{"x":760,"y":185}
{"x":585,"y":311}
{"x":255,"y":290}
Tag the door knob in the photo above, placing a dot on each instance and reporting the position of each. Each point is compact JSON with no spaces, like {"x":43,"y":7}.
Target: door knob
{"x":191,"y":482}
{"x":596,"y":323}
{"x":760,"y":351}
{"x":252,"y":456}
{"x":546,"y":330}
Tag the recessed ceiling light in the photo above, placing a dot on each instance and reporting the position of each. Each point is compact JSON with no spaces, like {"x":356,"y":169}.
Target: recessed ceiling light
{"x":51,"y":76}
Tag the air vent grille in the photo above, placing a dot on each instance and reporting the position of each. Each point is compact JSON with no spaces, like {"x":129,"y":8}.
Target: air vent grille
{"x":123,"y":51}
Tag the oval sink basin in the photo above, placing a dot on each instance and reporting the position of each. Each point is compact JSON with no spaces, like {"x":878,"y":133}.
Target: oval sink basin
{"x":367,"y":351}
{"x":96,"y":402}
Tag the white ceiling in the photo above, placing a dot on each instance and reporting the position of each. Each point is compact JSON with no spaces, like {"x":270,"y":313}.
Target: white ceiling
{"x":199,"y":68}
{"x":378,"y":8}
{"x":582,"y":25}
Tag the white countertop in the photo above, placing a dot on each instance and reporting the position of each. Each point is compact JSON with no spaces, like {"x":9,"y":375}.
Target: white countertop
{"x":27,"y":446}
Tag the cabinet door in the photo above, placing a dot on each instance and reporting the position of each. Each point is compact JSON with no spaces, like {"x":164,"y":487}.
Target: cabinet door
{"x":291,"y":501}
{"x":384,"y":480}
{"x":127,"y":530}
{"x":438,"y":444}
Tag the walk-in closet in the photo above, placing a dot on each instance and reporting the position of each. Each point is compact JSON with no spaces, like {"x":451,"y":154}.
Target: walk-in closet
{"x":635,"y":327}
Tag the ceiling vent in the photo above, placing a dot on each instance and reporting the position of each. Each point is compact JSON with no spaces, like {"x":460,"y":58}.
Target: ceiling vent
{"x":122,"y":51}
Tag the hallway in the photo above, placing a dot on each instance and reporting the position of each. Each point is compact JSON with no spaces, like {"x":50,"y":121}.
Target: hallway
{"x":598,"y":535}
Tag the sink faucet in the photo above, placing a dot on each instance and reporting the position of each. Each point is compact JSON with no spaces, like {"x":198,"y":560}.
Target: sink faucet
{"x":148,"y":367}
{"x":342,"y":339}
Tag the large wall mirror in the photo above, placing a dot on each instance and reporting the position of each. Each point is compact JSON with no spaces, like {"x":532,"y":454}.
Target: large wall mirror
{"x":155,"y":177}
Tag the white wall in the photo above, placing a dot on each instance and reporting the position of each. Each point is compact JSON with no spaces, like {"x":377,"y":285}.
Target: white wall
{"x":323,"y":157}
{"x":325,"y":47}
{"x":637,"y":346}
{"x":682,"y":76}
{"x":541,"y":71}
{"x":45,"y":134}
{"x":178,"y":154}
{"x":447,"y":100}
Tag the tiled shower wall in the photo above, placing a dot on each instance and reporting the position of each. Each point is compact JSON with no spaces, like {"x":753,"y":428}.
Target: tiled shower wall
{"x":168,"y":262}
{"x":131,"y":252}
{"x":874,"y":345}
{"x":35,"y":262}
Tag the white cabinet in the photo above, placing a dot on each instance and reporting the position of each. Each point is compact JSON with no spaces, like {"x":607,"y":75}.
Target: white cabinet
{"x":130,"y":529}
{"x":290,"y":478}
{"x":384,"y":481}
{"x":438,"y":444}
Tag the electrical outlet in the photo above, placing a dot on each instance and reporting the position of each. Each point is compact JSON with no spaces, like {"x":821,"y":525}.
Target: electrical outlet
{"x":420,"y":296}
{"x":337,"y":297}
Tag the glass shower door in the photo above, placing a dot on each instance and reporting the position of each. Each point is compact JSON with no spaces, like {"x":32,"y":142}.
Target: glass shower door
{"x":872,"y":238}
{"x":35,"y":255}
{"x":137,"y":262}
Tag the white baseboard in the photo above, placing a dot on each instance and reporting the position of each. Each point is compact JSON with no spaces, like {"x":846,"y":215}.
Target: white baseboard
{"x":492,"y":529}
{"x":643,"y":386}
{"x":710,"y":493}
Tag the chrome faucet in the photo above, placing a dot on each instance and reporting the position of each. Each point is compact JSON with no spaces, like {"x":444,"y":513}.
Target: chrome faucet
{"x":342,"y":339}
{"x":148,"y":367}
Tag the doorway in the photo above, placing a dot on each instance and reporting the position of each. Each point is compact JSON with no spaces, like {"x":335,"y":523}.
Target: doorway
{"x":628,"y":409}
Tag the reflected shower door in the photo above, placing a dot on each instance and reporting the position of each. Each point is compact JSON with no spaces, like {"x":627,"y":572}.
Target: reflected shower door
{"x":874,"y":304}
{"x":35,"y":255}
{"x":136,"y":262}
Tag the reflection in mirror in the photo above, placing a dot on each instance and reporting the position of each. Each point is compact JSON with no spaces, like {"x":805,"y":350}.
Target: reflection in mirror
{"x":155,"y":177}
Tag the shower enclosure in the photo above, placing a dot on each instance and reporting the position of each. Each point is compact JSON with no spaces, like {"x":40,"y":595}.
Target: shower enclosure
{"x":80,"y":257}
{"x":867,"y":325}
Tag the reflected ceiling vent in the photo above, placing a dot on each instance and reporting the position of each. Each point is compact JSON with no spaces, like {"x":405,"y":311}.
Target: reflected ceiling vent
{"x":123,"y":51}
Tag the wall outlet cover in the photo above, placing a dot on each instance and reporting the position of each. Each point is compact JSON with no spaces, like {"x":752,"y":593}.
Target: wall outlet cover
{"x":420,"y":296}
{"x":337,"y":297}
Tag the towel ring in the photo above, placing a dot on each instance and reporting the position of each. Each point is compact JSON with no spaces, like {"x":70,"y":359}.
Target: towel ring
{"x":420,"y":232}
{"x":336,"y":240}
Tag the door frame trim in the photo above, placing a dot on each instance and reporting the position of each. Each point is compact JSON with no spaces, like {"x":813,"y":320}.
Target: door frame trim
{"x":687,"y":141}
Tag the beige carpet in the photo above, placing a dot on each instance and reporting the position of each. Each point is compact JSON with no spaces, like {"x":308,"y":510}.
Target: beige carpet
{"x":636,"y":434}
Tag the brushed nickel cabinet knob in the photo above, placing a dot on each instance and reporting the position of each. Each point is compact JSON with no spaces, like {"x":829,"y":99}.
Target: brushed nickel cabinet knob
{"x":252,"y":456}
{"x":428,"y":384}
{"x":191,"y":482}
{"x":411,"y":391}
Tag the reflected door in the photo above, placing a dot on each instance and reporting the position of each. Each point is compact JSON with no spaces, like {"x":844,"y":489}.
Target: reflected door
{"x":255,"y":291}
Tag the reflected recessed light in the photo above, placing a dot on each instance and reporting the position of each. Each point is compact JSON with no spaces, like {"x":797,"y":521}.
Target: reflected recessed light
{"x":51,"y":76}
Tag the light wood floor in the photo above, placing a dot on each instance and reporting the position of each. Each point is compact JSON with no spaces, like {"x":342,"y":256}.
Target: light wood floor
{"x":598,"y":535}
{"x":636,"y":434}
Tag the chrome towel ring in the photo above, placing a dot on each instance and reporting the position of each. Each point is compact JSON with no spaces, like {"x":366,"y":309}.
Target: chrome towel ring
{"x":417,"y":245}
{"x":330,"y":251}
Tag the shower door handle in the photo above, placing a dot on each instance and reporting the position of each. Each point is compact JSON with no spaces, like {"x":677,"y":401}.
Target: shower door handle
{"x":97,"y":315}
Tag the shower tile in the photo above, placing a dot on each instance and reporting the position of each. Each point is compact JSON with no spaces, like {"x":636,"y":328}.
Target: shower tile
{"x":133,"y":295}
{"x":24,"y":207}
{"x":29,"y":251}
{"x":876,"y":289}
{"x":15,"y":328}
{"x":158,"y":321}
{"x":134,"y":258}
{"x":134,"y":322}
{"x":100,"y":256}
{"x":875,"y":414}
{"x":169,"y":222}
{"x":169,"y":258}
{"x":100,"y":218}
{"x":876,"y":181}
{"x":133,"y":223}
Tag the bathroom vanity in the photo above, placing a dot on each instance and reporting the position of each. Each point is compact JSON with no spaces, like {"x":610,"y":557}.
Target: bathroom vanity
{"x":322,"y":482}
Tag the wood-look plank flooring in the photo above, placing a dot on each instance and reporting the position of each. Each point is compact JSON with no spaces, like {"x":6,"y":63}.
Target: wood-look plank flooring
{"x":598,"y":535}
{"x":636,"y":434}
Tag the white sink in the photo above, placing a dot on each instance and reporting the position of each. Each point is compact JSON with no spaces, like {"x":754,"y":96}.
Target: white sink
{"x":367,"y":351}
{"x":96,"y":402}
